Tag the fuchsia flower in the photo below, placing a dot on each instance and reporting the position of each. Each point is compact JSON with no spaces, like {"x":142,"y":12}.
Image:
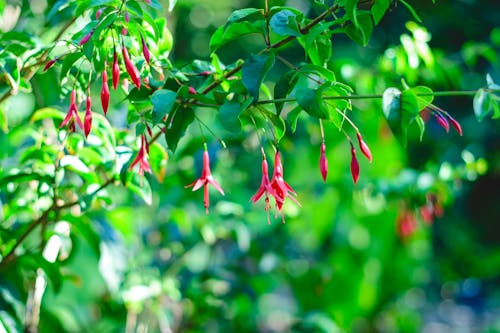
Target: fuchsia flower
{"x":442,"y":121}
{"x":192,"y":91}
{"x":406,"y":224}
{"x":116,"y":70}
{"x":86,"y":38}
{"x":98,"y":13}
{"x":72,"y":115}
{"x":145,"y":50}
{"x":281,"y":188}
{"x":142,"y":157}
{"x":205,"y":179}
{"x":323,"y":162}
{"x":354,"y":165}
{"x":364,"y":147}
{"x":105,"y":91}
{"x":87,"y":125}
{"x":131,"y":69}
{"x":265,"y":188}
{"x":49,"y":64}
{"x":455,"y":124}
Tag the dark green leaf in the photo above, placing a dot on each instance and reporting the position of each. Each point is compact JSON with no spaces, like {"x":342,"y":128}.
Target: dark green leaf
{"x":254,"y":71}
{"x":282,"y":89}
{"x":182,"y":118}
{"x":228,"y":116}
{"x":236,"y":30}
{"x":163,"y":101}
{"x":245,"y":14}
{"x":284,"y":23}
{"x":378,"y":9}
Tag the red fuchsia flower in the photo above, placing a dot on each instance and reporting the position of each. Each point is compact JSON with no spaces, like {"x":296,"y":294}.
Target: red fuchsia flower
{"x":205,"y":179}
{"x":426,"y":211}
{"x":145,"y":50}
{"x":142,"y":157}
{"x":454,"y":123}
{"x":192,"y":91}
{"x":442,"y":121}
{"x":354,"y":165}
{"x":406,"y":224}
{"x":86,"y":38}
{"x":98,"y":13}
{"x":124,"y":31}
{"x":265,"y":188}
{"x":127,"y":17}
{"x":87,"y":123}
{"x":105,"y":91}
{"x":323,"y":162}
{"x":131,"y":69}
{"x":49,"y":64}
{"x":281,"y":188}
{"x":116,"y":70}
{"x":72,"y":115}
{"x":364,"y":147}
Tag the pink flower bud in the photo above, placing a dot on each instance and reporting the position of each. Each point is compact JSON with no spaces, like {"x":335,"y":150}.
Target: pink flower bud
{"x":87,"y":124}
{"x":98,"y":13}
{"x":364,"y":147}
{"x":455,"y":124}
{"x":442,"y":122}
{"x":105,"y":92}
{"x":49,"y":64}
{"x":192,"y":91}
{"x":131,"y":69}
{"x":145,"y":50}
{"x":354,"y":165}
{"x":115,"y":71}
{"x":86,"y":38}
{"x":323,"y":162}
{"x":127,"y":17}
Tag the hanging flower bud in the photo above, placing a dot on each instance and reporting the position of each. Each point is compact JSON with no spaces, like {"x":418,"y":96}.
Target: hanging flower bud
{"x":86,"y":38}
{"x":145,"y":50}
{"x":442,"y":121}
{"x":87,"y":124}
{"x":192,"y":91}
{"x":49,"y":64}
{"x":105,"y":92}
{"x":127,"y":17}
{"x":455,"y":124}
{"x":148,"y":1}
{"x":364,"y":147}
{"x":323,"y":162}
{"x":124,"y":31}
{"x":116,"y":70}
{"x":98,"y":13}
{"x":354,"y":165}
{"x":131,"y":69}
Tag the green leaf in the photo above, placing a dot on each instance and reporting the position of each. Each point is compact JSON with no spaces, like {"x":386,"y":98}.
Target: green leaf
{"x":378,"y":9}
{"x":246,"y":14}
{"x":228,"y":116}
{"x":392,"y":102}
{"x":158,"y":159}
{"x":182,"y":118}
{"x":282,"y":89}
{"x":68,"y":63}
{"x":422,"y":101}
{"x":254,"y":71}
{"x":74,"y":163}
{"x":51,"y":270}
{"x":277,"y":121}
{"x":47,"y":113}
{"x":83,"y":227}
{"x":284,"y":23}
{"x":163,"y":101}
{"x":481,"y":104}
{"x":293,"y":116}
{"x":361,"y":32}
{"x":421,"y":126}
{"x":335,"y":107}
{"x":4,"y":122}
{"x":224,"y":35}
{"x":306,"y":93}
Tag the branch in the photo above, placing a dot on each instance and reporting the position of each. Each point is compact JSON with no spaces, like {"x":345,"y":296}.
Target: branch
{"x":11,"y":255}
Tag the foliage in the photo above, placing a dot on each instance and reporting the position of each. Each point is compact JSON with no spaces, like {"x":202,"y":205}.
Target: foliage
{"x":297,"y":83}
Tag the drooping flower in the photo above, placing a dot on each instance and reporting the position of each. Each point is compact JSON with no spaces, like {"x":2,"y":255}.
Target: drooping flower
{"x":442,"y":121}
{"x":131,"y":69}
{"x":406,"y":224}
{"x":127,"y":17}
{"x":364,"y":147}
{"x":116,"y":70}
{"x":192,"y":91}
{"x":142,"y":157}
{"x":86,"y":38}
{"x":265,"y":188}
{"x":354,"y":165}
{"x":455,"y":124}
{"x":87,"y":124}
{"x":105,"y":91}
{"x":49,"y":64}
{"x":205,"y":179}
{"x":72,"y":115}
{"x":145,"y":50}
{"x":281,"y":188}
{"x":323,"y":162}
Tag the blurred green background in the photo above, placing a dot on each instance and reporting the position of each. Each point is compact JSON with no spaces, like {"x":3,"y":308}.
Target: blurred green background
{"x":340,"y":263}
